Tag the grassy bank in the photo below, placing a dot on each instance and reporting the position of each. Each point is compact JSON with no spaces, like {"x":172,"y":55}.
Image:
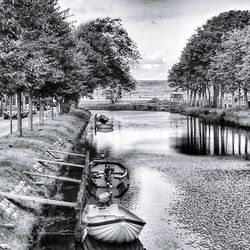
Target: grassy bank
{"x":137,"y":105}
{"x":17,"y":156}
{"x":232,"y":117}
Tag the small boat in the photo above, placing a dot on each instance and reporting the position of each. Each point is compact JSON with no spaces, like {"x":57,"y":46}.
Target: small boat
{"x":108,"y":127}
{"x":112,"y":224}
{"x":108,"y":173}
{"x":91,"y":244}
{"x":118,"y":191}
{"x":101,"y":119}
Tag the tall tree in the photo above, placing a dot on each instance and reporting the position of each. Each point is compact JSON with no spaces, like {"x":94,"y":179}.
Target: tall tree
{"x":204,"y":44}
{"x":110,"y":53}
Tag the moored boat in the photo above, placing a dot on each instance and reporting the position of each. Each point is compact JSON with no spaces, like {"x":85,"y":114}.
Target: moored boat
{"x":108,"y":127}
{"x":112,"y":224}
{"x":108,"y":173}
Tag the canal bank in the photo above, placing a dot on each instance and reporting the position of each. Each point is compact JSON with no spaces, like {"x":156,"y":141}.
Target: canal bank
{"x":18,"y":156}
{"x":209,"y":115}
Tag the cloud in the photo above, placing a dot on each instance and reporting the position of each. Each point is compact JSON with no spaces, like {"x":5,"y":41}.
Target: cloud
{"x":151,"y":66}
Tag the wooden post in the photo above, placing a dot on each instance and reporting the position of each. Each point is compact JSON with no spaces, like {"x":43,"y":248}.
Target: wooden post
{"x":62,"y":163}
{"x":60,"y":178}
{"x":81,"y":201}
{"x":19,"y":197}
{"x":67,"y":153}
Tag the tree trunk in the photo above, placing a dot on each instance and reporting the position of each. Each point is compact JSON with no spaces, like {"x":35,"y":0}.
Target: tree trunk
{"x":19,"y":114}
{"x":52,"y":111}
{"x":246,"y":98}
{"x":209,"y":97}
{"x":60,"y":108}
{"x":188,"y":95}
{"x":194,"y":99}
{"x":222,"y":100}
{"x":191,"y":98}
{"x":199,"y":100}
{"x":42,"y":113}
{"x":233,"y":101}
{"x":30,"y":112}
{"x":216,"y":95}
{"x":57,"y":108}
{"x":11,"y":123}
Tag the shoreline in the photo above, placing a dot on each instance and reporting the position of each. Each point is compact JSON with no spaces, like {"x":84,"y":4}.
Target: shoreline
{"x":19,"y":156}
{"x":230,"y":117}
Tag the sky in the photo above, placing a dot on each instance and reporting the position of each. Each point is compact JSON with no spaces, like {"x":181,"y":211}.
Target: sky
{"x":160,"y":28}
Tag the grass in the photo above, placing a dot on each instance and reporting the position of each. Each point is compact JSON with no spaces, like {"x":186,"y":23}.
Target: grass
{"x":18,"y":155}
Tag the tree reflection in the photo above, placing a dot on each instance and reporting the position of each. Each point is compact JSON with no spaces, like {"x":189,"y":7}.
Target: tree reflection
{"x":206,"y":139}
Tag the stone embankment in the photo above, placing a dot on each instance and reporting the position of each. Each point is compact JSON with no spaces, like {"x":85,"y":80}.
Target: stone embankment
{"x":18,"y":156}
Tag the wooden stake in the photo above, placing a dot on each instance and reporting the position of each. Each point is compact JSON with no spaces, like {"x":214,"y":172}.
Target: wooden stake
{"x":55,"y":177}
{"x":62,"y":163}
{"x":67,"y":153}
{"x":19,"y":197}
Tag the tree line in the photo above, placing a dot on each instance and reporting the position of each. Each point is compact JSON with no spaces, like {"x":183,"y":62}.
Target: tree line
{"x":44,"y":55}
{"x":215,"y":61}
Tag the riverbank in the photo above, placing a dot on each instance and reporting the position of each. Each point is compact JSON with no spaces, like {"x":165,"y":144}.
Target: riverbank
{"x":18,"y":155}
{"x":230,"y":117}
{"x":209,"y":115}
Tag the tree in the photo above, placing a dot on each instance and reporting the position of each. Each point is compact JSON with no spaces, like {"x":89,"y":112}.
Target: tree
{"x":204,"y":44}
{"x":110,"y":52}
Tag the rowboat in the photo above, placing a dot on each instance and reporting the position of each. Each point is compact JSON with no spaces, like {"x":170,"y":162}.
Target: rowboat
{"x":112,"y":224}
{"x":108,"y":127}
{"x":108,"y":173}
{"x":118,"y":191}
{"x":91,"y":244}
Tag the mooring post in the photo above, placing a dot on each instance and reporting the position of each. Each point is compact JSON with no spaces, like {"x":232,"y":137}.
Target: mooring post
{"x":81,"y":202}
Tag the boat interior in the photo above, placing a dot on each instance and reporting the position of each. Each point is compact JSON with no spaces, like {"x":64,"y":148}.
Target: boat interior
{"x":99,"y":168}
{"x":114,"y":211}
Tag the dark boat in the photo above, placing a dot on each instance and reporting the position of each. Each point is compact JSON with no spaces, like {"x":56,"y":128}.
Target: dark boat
{"x":107,"y":173}
{"x":102,"y":125}
{"x":92,"y":244}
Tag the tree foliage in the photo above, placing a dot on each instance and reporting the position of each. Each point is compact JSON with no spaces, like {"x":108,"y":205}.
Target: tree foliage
{"x":204,"y":54}
{"x":110,"y":53}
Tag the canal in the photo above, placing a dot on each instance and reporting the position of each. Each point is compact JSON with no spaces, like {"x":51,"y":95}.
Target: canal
{"x":189,"y":181}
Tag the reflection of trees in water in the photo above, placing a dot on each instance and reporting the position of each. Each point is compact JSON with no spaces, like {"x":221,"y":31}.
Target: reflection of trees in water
{"x":205,"y":139}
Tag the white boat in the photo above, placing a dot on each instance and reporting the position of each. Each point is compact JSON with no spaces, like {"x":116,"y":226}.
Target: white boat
{"x":108,"y":173}
{"x":112,"y":224}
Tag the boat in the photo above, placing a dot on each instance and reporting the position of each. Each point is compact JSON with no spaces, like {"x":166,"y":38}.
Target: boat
{"x":108,"y":127}
{"x":101,"y":123}
{"x":118,"y":191}
{"x":101,"y":119}
{"x":112,"y":224}
{"x":91,"y":244}
{"x":108,"y":174}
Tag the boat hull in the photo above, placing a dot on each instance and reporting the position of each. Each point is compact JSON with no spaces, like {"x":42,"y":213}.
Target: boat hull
{"x":90,"y":243}
{"x":119,"y":231}
{"x":104,"y":127}
{"x":113,"y":224}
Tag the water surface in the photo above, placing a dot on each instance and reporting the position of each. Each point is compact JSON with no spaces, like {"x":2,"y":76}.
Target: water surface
{"x":189,"y":181}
